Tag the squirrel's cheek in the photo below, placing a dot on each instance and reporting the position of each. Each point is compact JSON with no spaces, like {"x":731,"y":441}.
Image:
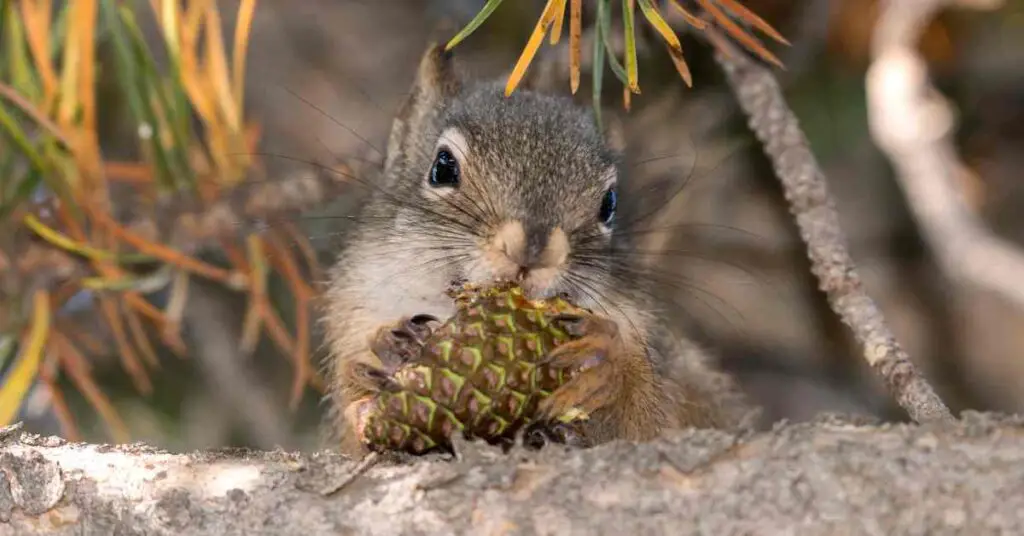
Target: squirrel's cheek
{"x":493,"y":265}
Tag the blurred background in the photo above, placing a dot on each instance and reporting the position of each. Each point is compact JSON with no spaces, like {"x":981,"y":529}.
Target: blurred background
{"x":135,"y":351}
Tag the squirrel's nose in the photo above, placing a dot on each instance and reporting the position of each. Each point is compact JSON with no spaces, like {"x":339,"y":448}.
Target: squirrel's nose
{"x":537,"y":238}
{"x":532,"y":248}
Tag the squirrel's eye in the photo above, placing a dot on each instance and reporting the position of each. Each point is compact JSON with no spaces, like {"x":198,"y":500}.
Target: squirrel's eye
{"x":608,"y":205}
{"x":445,"y":171}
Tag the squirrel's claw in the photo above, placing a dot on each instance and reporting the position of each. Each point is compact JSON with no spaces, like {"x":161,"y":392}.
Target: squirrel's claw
{"x":372,"y":379}
{"x":399,"y":343}
{"x":540,"y":433}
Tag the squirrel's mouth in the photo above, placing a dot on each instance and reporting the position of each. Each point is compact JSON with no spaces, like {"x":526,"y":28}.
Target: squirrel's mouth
{"x":536,"y":286}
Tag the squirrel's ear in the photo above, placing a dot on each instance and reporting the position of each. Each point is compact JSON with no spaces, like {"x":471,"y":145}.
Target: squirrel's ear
{"x":437,"y":81}
{"x":437,"y":78}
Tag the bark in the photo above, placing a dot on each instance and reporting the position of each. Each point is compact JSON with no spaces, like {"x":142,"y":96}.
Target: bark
{"x":828,"y":477}
{"x":806,"y":190}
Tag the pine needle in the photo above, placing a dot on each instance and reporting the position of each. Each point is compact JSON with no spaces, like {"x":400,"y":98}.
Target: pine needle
{"x":475,"y":23}
{"x":737,"y":33}
{"x":597,"y":73}
{"x":556,"y":26}
{"x":575,"y":32}
{"x":69,"y":430}
{"x":746,"y":14}
{"x":680,"y":63}
{"x":36,"y":18}
{"x":77,"y":368}
{"x":605,"y":21}
{"x":690,"y":18}
{"x":129,"y":360}
{"x":254,"y":313}
{"x":62,"y":241}
{"x":138,"y":333}
{"x":242,"y":28}
{"x":287,"y":266}
{"x":653,"y":15}
{"x":536,"y":38}
{"x":168,"y":254}
{"x":20,"y":379}
{"x":629,"y":27}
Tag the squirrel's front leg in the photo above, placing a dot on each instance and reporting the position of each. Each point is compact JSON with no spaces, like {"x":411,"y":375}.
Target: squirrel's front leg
{"x":613,"y":383}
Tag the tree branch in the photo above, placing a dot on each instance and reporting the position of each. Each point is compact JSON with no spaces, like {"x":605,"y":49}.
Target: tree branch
{"x":805,"y":188}
{"x":912,"y":123}
{"x":824,"y":478}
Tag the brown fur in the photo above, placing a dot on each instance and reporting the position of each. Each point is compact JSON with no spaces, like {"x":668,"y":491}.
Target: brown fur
{"x":534,"y":170}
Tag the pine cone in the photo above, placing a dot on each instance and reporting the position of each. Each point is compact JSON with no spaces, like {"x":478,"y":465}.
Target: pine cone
{"x":481,"y":373}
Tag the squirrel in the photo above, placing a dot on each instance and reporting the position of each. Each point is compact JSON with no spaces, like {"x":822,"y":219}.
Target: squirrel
{"x":476,"y":188}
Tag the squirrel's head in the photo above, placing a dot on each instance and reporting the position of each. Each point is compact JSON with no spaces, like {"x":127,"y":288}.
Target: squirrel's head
{"x":489,"y":187}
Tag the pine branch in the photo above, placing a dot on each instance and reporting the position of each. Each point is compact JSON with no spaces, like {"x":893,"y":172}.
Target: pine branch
{"x":913,"y":124}
{"x":805,"y":188}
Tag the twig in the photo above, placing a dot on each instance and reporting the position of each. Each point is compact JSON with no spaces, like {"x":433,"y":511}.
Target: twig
{"x":786,"y":146}
{"x":367,"y":462}
{"x":912,"y":123}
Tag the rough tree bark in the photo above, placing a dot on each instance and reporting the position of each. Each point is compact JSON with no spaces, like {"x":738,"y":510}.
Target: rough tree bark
{"x":806,"y":190}
{"x":829,"y":477}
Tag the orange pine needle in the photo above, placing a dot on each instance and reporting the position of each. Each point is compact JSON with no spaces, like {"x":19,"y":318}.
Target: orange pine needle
{"x":129,"y":360}
{"x":36,"y":17}
{"x":84,"y":338}
{"x":217,"y":69}
{"x":746,"y":14}
{"x":48,"y":375}
{"x":198,"y":93}
{"x":733,"y":29}
{"x":170,"y":337}
{"x":87,"y":66}
{"x":37,"y":115}
{"x":690,"y":18}
{"x":575,"y":32}
{"x":680,"y":62}
{"x":302,"y":357}
{"x":282,"y":258}
{"x":235,"y":255}
{"x":138,"y":333}
{"x":77,"y":368}
{"x":306,"y":248}
{"x":164,"y":326}
{"x":536,"y":38}
{"x":290,"y":270}
{"x":558,"y":22}
{"x":254,"y":313}
{"x":242,"y":28}
{"x":131,"y":172}
{"x":277,"y":330}
{"x":167,"y":254}
{"x":60,"y":408}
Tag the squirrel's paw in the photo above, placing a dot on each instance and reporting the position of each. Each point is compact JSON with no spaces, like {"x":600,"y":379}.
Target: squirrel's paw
{"x":371,"y":379}
{"x":539,"y":433}
{"x":594,"y":362}
{"x":398,"y":343}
